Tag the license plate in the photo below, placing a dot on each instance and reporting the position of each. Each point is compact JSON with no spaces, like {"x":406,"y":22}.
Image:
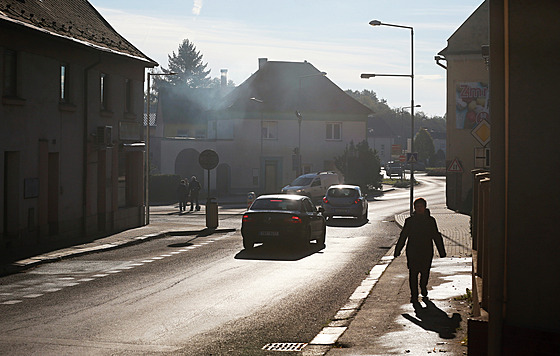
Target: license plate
{"x":342,"y":211}
{"x":268,"y":233}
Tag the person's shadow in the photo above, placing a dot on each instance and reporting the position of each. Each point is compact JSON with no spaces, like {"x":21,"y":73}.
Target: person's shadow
{"x":434,"y":319}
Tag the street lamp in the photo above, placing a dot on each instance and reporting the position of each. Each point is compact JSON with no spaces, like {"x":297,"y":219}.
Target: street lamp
{"x":260,"y":102}
{"x":300,"y":117}
{"x":411,"y":76}
{"x":147,"y":173}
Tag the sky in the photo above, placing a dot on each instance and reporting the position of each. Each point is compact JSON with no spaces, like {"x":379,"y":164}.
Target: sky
{"x":333,"y":35}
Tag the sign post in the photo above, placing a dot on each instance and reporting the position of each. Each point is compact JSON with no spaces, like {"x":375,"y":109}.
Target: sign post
{"x":208,"y":159}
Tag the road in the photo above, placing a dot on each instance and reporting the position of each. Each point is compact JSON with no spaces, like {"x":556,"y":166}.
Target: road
{"x":196,"y":295}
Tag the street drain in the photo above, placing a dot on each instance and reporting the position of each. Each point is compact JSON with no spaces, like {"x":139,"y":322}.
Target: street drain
{"x":284,"y":346}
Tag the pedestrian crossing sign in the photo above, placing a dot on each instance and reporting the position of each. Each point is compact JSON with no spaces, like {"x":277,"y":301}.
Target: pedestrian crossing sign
{"x":412,"y":157}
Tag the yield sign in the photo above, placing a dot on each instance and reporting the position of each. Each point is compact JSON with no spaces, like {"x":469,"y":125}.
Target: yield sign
{"x":455,"y":167}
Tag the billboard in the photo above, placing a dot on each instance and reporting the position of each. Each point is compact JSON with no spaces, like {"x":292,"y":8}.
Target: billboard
{"x":472,"y":100}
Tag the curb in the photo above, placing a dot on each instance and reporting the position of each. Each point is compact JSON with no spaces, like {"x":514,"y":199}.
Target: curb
{"x":328,"y":337}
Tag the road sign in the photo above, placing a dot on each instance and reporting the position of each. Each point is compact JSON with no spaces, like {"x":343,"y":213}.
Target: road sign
{"x":455,"y":167}
{"x":208,"y":159}
{"x":411,"y":157}
{"x":402,"y":158}
{"x":482,"y":132}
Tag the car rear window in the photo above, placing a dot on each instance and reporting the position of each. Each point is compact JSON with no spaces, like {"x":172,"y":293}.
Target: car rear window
{"x":276,"y":204}
{"x":343,"y":193}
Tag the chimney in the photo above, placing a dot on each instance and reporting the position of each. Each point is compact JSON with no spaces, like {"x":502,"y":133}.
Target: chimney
{"x":262,"y":61}
{"x":223,"y":78}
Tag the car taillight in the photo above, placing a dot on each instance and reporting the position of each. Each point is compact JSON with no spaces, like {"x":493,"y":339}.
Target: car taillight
{"x":294,"y":219}
{"x":357,"y":201}
{"x":325,"y":200}
{"x":247,"y":218}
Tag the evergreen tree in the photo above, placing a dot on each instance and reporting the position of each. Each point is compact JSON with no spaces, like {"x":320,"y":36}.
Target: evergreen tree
{"x":424,"y":145}
{"x":187,"y":64}
{"x":360,"y":166}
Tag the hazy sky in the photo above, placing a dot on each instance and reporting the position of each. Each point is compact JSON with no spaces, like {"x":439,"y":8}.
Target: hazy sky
{"x":333,"y":35}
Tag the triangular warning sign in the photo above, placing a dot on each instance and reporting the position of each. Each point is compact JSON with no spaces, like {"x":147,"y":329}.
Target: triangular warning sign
{"x":455,"y":166}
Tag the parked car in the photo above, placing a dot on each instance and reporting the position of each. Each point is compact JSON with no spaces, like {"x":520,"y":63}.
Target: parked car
{"x":313,"y":185}
{"x":284,"y":219}
{"x":393,"y":168}
{"x":345,"y":200}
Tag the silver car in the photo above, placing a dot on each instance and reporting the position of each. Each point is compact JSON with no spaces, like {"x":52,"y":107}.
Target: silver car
{"x":345,"y":200}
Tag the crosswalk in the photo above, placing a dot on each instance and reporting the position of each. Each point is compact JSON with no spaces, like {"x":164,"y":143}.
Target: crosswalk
{"x":53,"y":277}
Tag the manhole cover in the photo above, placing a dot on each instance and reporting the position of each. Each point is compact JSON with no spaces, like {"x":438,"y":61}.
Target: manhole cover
{"x":284,"y":346}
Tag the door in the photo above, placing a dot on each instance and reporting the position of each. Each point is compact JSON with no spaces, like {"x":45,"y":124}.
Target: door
{"x":270,"y":174}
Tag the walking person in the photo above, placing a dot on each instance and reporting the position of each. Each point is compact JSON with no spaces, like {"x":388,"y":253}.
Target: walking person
{"x":182,"y":195}
{"x":194,"y":188}
{"x":421,"y":231}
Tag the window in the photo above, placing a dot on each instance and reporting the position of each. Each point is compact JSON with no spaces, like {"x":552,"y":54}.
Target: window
{"x":333,"y":130}
{"x":270,"y":130}
{"x":10,"y":73}
{"x":103,"y":87}
{"x":128,"y":96}
{"x":63,"y":83}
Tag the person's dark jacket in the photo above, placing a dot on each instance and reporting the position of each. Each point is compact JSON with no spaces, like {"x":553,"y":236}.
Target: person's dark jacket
{"x":420,"y":230}
{"x":182,"y":192}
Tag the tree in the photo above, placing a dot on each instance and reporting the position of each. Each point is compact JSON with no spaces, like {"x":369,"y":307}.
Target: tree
{"x":360,"y":166}
{"x":187,"y":63}
{"x":424,"y":145}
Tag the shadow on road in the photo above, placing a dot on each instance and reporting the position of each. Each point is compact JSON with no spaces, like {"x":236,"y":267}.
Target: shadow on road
{"x":278,"y":253}
{"x":196,"y":234}
{"x":346,"y":222}
{"x":432,"y":318}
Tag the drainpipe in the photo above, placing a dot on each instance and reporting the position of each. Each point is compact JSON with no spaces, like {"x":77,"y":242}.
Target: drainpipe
{"x":85,"y":148}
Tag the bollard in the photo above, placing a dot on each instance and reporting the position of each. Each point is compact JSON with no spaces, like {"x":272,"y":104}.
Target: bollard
{"x":212,"y":213}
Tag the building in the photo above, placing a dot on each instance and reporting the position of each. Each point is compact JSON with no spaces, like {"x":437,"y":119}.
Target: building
{"x":71,"y":151}
{"x":380,"y":137}
{"x":468,"y":107}
{"x":259,"y":128}
{"x":515,"y":236}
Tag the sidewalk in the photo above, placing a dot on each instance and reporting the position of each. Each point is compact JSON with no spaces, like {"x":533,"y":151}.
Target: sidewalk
{"x":127,"y":237}
{"x":388,"y":324}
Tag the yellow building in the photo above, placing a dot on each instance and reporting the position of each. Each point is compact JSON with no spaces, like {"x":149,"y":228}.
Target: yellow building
{"x":468,"y":107}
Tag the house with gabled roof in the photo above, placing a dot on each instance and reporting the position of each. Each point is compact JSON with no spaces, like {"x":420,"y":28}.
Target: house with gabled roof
{"x":71,"y":133}
{"x":284,"y":111}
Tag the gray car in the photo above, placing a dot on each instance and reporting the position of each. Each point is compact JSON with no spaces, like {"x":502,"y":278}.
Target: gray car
{"x":345,"y":200}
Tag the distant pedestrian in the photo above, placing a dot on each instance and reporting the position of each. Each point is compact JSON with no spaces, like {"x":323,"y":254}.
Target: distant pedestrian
{"x":420,"y":229}
{"x":182,"y":195}
{"x":194,"y":188}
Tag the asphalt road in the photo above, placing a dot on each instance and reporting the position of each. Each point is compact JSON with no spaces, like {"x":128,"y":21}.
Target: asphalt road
{"x":197,"y":295}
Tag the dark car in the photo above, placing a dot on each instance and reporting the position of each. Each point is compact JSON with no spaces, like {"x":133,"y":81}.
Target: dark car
{"x":345,"y":200}
{"x":283,"y":219}
{"x":393,"y":168}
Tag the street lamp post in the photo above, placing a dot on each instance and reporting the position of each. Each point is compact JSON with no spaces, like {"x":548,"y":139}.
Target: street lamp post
{"x":402,"y":127}
{"x":300,"y":117}
{"x":402,"y":117}
{"x":411,"y":76}
{"x":147,"y":173}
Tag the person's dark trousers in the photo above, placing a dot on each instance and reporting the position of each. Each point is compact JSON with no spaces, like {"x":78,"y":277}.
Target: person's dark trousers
{"x":194,"y":200}
{"x":413,"y":281}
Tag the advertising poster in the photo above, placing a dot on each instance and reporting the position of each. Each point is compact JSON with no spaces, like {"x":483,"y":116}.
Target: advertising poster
{"x":472,"y":102}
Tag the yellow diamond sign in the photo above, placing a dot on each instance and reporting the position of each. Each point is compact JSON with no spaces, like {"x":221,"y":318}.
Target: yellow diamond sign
{"x":482,"y":132}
